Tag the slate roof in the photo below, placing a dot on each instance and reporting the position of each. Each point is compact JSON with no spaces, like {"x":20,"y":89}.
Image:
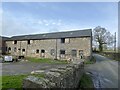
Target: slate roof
{"x":67,"y":34}
{"x":4,"y":38}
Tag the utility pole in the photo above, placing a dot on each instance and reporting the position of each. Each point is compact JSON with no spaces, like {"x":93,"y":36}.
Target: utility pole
{"x":115,"y":46}
{"x":115,"y":42}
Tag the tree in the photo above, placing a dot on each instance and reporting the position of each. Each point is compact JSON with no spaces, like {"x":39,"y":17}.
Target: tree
{"x":102,"y":36}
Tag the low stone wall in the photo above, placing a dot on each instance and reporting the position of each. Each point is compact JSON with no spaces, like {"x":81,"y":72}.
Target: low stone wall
{"x":111,"y":55}
{"x":63,"y":77}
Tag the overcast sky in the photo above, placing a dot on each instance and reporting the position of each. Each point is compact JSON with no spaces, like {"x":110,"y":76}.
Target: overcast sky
{"x":32,"y":18}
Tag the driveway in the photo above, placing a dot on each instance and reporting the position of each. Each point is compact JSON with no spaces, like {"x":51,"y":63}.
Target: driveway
{"x":25,"y":67}
{"x":104,"y":72}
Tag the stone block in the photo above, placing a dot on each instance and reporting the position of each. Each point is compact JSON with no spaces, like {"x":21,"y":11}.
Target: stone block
{"x":62,"y":77}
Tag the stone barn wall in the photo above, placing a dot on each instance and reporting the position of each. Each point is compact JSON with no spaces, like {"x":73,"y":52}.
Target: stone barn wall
{"x":80,"y":43}
{"x":64,"y":77}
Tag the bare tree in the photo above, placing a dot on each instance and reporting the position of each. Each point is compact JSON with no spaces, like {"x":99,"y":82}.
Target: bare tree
{"x":102,"y":36}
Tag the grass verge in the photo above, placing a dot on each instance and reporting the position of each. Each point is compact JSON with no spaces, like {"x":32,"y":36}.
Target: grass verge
{"x":46,"y":60}
{"x":0,"y":83}
{"x":86,"y":82}
{"x":91,"y":61}
{"x":15,"y":81}
{"x":111,"y":55}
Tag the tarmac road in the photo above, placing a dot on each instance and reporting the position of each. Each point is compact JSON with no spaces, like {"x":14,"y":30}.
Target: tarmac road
{"x":104,"y":72}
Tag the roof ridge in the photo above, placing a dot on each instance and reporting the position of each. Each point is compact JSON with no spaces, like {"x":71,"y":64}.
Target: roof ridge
{"x":52,"y":33}
{"x":63,"y":34}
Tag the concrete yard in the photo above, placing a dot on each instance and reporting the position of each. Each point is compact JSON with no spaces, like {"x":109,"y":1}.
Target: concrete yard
{"x":15,"y":68}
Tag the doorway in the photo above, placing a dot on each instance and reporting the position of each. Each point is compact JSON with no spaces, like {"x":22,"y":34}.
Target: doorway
{"x":81,"y":54}
{"x":42,"y":53}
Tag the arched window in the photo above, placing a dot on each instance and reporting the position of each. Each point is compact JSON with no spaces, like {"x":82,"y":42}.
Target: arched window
{"x":9,"y":49}
{"x":37,"y":51}
{"x":42,"y":51}
{"x":23,"y":50}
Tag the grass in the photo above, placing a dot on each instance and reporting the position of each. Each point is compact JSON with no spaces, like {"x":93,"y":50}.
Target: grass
{"x":111,"y":55}
{"x":0,"y":83}
{"x":15,"y":81}
{"x":45,"y":60}
{"x":91,"y":61}
{"x":86,"y":82}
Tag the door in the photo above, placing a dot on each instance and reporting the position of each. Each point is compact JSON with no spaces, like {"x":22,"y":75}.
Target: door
{"x":42,"y":53}
{"x":81,"y":54}
{"x":62,"y":54}
{"x":74,"y":53}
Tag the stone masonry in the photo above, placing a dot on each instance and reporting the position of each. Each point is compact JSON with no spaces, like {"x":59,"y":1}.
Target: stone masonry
{"x":78,"y":44}
{"x":63,"y":77}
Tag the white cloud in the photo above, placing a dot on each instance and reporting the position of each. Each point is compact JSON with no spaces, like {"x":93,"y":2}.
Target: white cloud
{"x":49,"y":22}
{"x":40,"y":22}
{"x":46,"y":24}
{"x":45,"y":21}
{"x":12,"y":25}
{"x":58,"y":24}
{"x":53,"y":23}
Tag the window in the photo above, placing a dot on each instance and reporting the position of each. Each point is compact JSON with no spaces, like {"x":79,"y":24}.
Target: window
{"x":62,"y":54}
{"x":74,"y":53}
{"x":52,"y":52}
{"x":15,"y":49}
{"x":62,"y":51}
{"x":23,"y":50}
{"x":15,"y":42}
{"x":28,"y":41}
{"x":67,"y":40}
{"x":19,"y":49}
{"x":42,"y":51}
{"x":37,"y":51}
{"x":9,"y":49}
{"x":62,"y":40}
